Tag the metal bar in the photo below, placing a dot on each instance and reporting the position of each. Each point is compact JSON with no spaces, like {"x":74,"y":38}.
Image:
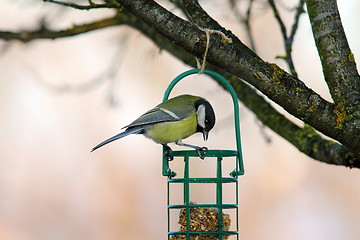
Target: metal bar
{"x":208,"y":153}
{"x":187,"y":195}
{"x":224,"y":206}
{"x":237,"y":209}
{"x":219,"y":198}
{"x":205,"y":180}
{"x":168,"y":210}
{"x":204,"y":232}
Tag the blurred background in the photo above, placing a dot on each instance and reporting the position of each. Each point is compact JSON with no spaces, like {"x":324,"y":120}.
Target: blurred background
{"x":59,"y":98}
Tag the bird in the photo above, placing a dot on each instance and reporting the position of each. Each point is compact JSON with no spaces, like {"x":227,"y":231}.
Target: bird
{"x":171,"y":122}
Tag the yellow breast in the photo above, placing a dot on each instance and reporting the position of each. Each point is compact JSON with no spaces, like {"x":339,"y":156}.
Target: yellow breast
{"x":167,"y":132}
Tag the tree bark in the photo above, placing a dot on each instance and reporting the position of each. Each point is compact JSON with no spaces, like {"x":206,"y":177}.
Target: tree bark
{"x":337,"y":60}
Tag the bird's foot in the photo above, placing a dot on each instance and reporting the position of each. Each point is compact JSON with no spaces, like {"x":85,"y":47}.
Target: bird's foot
{"x":200,"y":152}
{"x":168,"y":153}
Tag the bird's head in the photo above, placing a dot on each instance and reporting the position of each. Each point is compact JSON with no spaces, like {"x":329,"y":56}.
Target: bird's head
{"x":205,"y":116}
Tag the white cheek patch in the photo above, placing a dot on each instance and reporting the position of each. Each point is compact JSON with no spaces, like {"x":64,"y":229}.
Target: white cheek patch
{"x":200,"y":115}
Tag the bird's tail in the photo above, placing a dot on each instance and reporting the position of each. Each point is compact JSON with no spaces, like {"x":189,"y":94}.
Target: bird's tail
{"x":118,"y":136}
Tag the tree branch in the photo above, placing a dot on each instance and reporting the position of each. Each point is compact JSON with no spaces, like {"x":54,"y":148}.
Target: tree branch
{"x":288,"y":40}
{"x":336,"y":57}
{"x":245,"y":20}
{"x":299,"y":10}
{"x":26,"y":36}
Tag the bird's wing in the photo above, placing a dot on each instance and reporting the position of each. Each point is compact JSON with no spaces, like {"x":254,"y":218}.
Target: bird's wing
{"x":159,"y":114}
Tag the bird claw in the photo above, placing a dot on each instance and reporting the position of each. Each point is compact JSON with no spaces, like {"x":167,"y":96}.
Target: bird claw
{"x":169,"y":156}
{"x":168,"y":153}
{"x":201,"y":153}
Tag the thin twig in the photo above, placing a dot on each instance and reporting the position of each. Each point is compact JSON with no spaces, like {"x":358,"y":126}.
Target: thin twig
{"x":245,"y":20}
{"x":288,"y":40}
{"x":91,"y":5}
{"x":278,"y":18}
{"x":299,"y":10}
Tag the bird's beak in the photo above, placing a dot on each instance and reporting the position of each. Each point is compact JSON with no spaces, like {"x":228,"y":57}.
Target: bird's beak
{"x":205,"y":134}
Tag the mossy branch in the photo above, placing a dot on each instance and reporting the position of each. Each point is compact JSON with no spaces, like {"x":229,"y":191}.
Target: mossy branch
{"x":337,"y":60}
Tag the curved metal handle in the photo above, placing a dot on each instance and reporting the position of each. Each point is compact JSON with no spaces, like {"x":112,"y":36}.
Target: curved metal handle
{"x":232,"y":92}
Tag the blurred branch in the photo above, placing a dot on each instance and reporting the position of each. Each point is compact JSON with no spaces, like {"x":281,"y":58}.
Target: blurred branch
{"x":108,"y":74}
{"x":278,"y":18}
{"x":245,"y":20}
{"x":299,"y":10}
{"x":91,"y":5}
{"x":45,"y":33}
{"x":288,"y":40}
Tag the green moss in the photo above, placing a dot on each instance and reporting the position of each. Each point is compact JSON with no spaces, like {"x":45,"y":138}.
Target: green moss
{"x":341,"y":116}
{"x":329,"y":143}
{"x":312,"y":108}
{"x":133,"y":19}
{"x":302,"y":137}
{"x":351,"y":57}
{"x":309,"y":131}
{"x":299,"y":90}
{"x":277,"y":73}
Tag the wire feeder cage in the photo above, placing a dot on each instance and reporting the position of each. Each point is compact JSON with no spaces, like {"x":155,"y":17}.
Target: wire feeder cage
{"x":205,"y":221}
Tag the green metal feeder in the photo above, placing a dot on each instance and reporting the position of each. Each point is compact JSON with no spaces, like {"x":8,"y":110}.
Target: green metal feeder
{"x":197,"y":220}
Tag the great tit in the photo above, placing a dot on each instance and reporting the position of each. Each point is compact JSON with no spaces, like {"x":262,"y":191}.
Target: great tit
{"x":172,"y":121}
